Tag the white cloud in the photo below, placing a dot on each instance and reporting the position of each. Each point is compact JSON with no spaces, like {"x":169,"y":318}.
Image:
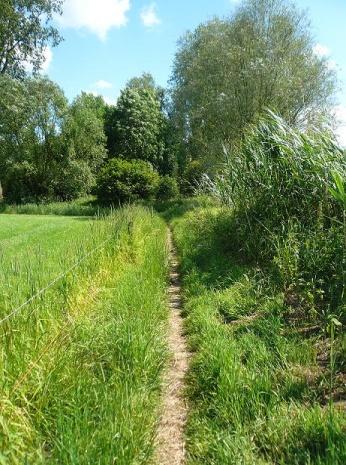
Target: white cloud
{"x":109,"y":100}
{"x":47,"y":55}
{"x":340,"y":117}
{"x":101,"y":84}
{"x":96,"y":16}
{"x":321,"y":50}
{"x":149,"y":16}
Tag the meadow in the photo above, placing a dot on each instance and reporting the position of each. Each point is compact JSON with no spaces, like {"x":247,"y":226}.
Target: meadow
{"x":81,"y":363}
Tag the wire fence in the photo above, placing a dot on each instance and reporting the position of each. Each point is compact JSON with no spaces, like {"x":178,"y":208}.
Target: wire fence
{"x":61,"y":276}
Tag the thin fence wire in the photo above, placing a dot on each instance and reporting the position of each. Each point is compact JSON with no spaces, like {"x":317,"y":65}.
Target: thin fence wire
{"x":52,"y":283}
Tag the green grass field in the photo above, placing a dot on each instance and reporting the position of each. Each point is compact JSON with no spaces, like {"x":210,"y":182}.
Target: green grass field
{"x":80,"y":366}
{"x":35,"y":249}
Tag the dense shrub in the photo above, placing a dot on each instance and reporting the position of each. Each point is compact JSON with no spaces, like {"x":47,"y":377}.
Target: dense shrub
{"x":20,"y":184}
{"x":192,"y":177}
{"x":24,"y":183}
{"x":124,"y":181}
{"x":74,"y":180}
{"x":167,"y":188}
{"x":280,"y":184}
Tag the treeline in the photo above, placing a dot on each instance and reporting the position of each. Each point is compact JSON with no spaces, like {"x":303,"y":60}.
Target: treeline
{"x":55,"y":150}
{"x":154,"y":141}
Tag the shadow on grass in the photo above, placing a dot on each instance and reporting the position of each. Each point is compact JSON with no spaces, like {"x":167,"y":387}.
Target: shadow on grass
{"x":210,"y":248}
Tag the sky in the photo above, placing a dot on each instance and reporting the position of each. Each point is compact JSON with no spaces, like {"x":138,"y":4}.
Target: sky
{"x":107,"y":42}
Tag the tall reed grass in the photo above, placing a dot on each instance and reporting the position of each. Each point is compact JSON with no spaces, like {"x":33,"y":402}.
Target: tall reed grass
{"x":287,"y":193}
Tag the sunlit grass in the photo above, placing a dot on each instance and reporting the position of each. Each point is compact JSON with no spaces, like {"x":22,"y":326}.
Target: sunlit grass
{"x":254,"y":385}
{"x":80,"y":368}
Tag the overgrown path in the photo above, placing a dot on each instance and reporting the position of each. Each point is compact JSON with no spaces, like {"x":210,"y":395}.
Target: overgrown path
{"x":170,"y":438}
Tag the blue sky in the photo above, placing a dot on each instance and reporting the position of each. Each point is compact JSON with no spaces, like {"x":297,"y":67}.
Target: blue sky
{"x":109,"y":41}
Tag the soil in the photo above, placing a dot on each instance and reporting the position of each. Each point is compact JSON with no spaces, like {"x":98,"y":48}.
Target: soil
{"x":170,"y":442}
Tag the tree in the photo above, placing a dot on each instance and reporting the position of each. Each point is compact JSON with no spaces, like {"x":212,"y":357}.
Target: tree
{"x":138,"y":125}
{"x":25,"y":32}
{"x":84,"y":131}
{"x":48,"y":149}
{"x":228,"y":71}
{"x":32,"y":113}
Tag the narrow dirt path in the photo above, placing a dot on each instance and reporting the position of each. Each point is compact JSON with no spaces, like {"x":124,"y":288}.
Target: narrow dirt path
{"x":170,"y":444}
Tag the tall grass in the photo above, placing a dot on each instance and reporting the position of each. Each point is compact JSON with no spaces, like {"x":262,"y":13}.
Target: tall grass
{"x":285,"y":190}
{"x":80,"y":367}
{"x":257,"y":392}
{"x":80,"y":207}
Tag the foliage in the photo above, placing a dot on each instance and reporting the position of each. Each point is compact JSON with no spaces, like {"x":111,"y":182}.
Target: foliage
{"x":167,"y":188}
{"x":74,"y":179}
{"x":280,"y":185}
{"x":122,"y":181}
{"x":32,"y":113}
{"x":255,"y":390}
{"x":84,"y":131}
{"x":25,"y":32}
{"x":138,"y":124}
{"x":49,"y":150}
{"x":192,"y":177}
{"x":228,"y":70}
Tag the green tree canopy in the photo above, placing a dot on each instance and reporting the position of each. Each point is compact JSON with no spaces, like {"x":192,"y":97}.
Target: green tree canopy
{"x":227,"y":71}
{"x":84,"y":130}
{"x":25,"y":31}
{"x":32,"y":113}
{"x":48,"y":149}
{"x":138,"y":125}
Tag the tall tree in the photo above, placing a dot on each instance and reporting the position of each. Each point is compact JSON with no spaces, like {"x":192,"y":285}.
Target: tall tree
{"x":25,"y":31}
{"x":135,"y":126}
{"x":32,"y":114}
{"x":84,"y":130}
{"x":227,"y":71}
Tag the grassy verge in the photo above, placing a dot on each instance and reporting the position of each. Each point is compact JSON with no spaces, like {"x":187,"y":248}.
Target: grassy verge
{"x":81,"y":370}
{"x":80,"y":207}
{"x":260,"y":387}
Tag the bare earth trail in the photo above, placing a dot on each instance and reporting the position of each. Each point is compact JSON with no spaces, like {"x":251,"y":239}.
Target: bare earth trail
{"x":170,"y":443}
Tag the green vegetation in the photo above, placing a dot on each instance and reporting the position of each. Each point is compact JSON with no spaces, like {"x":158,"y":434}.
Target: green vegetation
{"x":227,"y":71}
{"x":80,"y":366}
{"x":49,"y":150}
{"x":124,"y":181}
{"x":271,"y":182}
{"x":83,"y":302}
{"x":85,"y":206}
{"x":25,"y":31}
{"x":259,"y":385}
{"x":167,"y":188}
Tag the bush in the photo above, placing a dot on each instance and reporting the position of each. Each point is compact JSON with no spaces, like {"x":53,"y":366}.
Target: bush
{"x":167,"y":189}
{"x":123,"y":181}
{"x":192,"y":177}
{"x":74,"y":180}
{"x":21,"y":184}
